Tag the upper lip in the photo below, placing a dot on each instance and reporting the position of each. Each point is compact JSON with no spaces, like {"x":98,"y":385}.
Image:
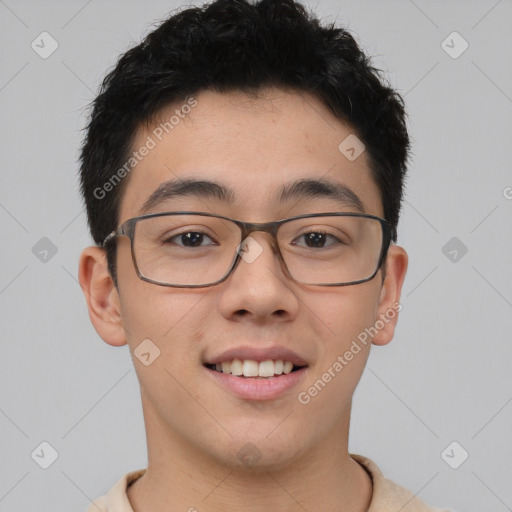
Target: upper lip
{"x":275,"y":353}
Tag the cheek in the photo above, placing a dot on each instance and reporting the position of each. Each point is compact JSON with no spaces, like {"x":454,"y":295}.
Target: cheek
{"x":155,"y":312}
{"x":340,"y":318}
{"x":341,"y":315}
{"x":169,"y":317}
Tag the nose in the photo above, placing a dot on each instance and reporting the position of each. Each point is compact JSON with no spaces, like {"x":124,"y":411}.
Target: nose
{"x":259,"y":288}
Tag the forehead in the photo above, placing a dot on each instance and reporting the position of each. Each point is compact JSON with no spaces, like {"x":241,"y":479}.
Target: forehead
{"x":254,"y":147}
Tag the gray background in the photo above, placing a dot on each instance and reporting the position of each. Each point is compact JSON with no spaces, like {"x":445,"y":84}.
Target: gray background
{"x":446,"y":376}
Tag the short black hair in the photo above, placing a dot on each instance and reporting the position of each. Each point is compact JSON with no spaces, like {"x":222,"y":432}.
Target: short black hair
{"x":237,"y":45}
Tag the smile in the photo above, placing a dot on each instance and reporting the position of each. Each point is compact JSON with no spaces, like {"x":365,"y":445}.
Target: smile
{"x":257,"y":387}
{"x":251,"y":368}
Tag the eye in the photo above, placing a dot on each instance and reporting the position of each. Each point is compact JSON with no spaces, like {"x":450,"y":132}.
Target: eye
{"x":317,"y":239}
{"x":190,"y":239}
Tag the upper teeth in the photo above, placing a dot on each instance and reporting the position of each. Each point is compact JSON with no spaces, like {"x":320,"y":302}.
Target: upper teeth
{"x":251,"y":368}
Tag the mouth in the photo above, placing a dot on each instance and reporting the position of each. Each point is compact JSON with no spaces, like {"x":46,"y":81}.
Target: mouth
{"x":252,"y":380}
{"x":251,"y":369}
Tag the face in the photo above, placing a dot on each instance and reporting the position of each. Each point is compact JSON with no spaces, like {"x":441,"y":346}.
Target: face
{"x":253,"y":148}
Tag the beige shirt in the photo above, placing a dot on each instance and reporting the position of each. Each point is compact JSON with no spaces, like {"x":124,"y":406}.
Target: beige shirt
{"x":387,"y":496}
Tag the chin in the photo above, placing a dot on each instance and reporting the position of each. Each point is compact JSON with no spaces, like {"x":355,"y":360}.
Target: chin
{"x":259,"y":453}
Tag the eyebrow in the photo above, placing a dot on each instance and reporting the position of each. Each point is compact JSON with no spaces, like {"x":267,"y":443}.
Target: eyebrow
{"x":207,"y":189}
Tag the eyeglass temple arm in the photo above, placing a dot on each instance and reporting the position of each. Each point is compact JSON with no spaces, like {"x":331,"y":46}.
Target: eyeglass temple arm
{"x":109,"y":237}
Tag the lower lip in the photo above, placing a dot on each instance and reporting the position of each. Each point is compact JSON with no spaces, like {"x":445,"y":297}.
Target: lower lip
{"x":250,"y":388}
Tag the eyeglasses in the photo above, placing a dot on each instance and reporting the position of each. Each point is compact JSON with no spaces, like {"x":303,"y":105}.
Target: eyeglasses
{"x":198,"y":249}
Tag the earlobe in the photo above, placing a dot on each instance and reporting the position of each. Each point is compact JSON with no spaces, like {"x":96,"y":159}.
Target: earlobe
{"x":389,"y":301}
{"x":101,"y":295}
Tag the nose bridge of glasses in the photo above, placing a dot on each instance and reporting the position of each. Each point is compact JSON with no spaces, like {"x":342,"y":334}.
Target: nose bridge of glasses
{"x":270,"y":228}
{"x":251,"y":247}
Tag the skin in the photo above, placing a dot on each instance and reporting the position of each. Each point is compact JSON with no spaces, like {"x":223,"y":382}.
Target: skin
{"x":194,"y":427}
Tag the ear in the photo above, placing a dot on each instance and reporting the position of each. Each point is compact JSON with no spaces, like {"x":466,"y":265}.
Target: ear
{"x":101,"y":295}
{"x":389,"y":301}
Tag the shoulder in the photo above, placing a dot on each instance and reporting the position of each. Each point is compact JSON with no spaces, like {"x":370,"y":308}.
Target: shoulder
{"x":116,"y":500}
{"x":98,"y":505}
{"x":387,"y":495}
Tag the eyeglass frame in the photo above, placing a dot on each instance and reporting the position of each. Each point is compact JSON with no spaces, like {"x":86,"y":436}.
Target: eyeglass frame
{"x":127,"y":228}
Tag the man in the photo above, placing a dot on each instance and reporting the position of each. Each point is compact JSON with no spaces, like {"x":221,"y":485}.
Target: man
{"x":243,"y":172}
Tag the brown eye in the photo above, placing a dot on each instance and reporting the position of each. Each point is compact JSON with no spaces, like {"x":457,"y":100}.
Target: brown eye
{"x":317,"y":239}
{"x":190,"y":239}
